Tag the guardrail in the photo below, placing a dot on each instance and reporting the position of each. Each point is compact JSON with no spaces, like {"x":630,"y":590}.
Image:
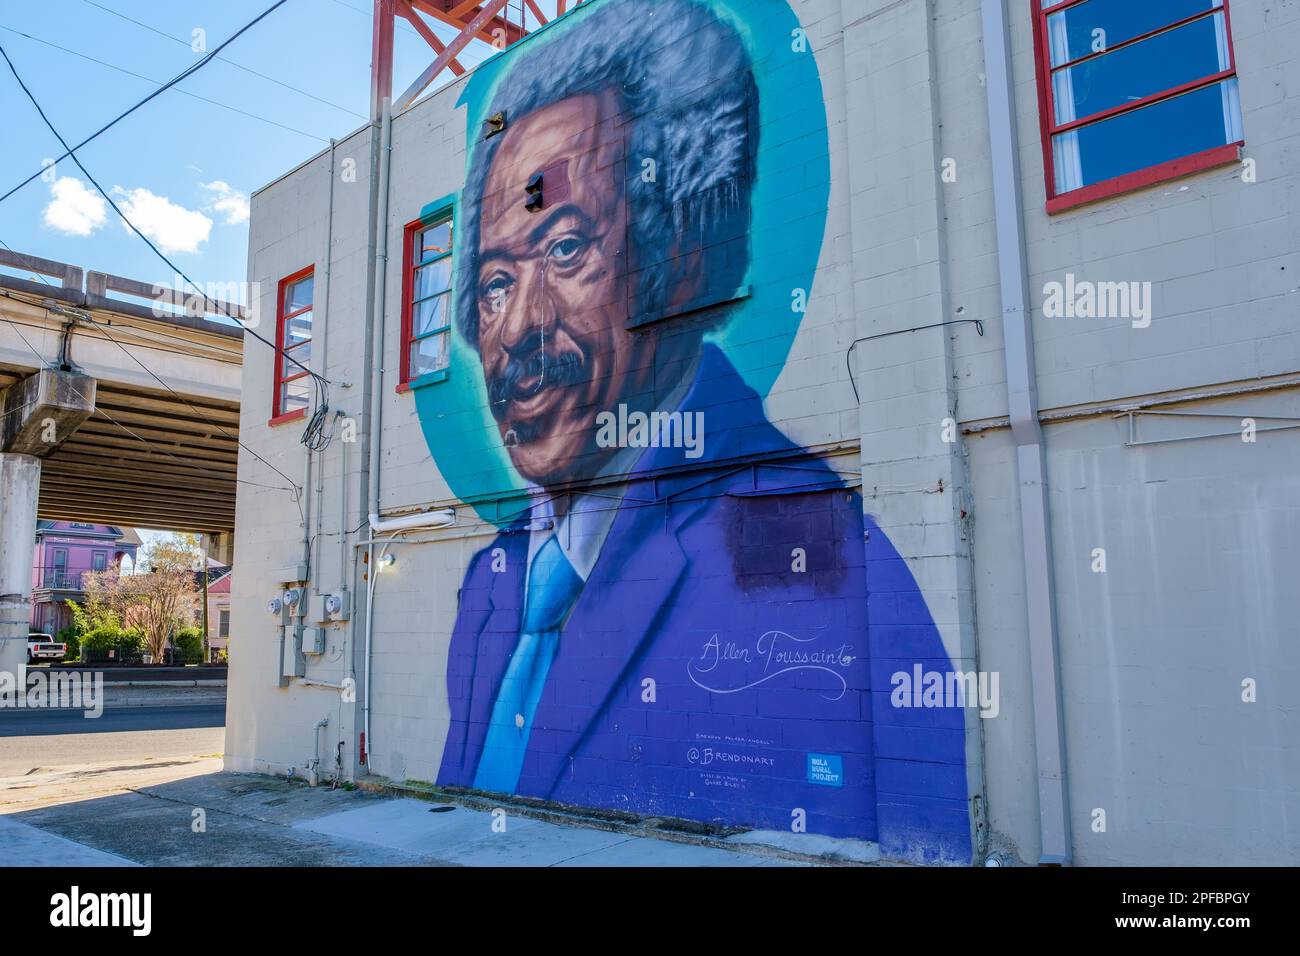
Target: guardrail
{"x":190,"y":310}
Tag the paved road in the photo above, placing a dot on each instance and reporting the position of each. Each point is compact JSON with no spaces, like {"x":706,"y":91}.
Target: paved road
{"x":49,"y":739}
{"x":43,"y":722}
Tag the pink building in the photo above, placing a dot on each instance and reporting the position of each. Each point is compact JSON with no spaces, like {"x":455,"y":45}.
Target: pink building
{"x":218,"y":609}
{"x":65,"y":551}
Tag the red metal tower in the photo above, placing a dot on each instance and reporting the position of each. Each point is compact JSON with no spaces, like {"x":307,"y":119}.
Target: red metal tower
{"x":498,"y":22}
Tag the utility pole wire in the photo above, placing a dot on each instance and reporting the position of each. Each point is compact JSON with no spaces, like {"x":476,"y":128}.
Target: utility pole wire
{"x":317,"y":379}
{"x":228,"y":62}
{"x":158,"y":92}
{"x":150,"y":79}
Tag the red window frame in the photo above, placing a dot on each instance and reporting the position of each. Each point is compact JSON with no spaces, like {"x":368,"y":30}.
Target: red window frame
{"x":278,"y":416}
{"x":1163,"y":172}
{"x":444,"y":211}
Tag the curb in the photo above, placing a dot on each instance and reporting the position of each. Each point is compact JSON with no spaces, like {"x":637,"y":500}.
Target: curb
{"x":164,"y":683}
{"x":659,"y":828}
{"x":193,"y":700}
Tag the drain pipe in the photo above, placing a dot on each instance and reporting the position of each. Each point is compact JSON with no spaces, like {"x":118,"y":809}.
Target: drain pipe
{"x":327,"y":320}
{"x":375,"y":378}
{"x":313,"y":774}
{"x":1022,"y":402}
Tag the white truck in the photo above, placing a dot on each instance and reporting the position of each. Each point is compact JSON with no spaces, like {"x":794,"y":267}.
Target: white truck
{"x":41,"y":647}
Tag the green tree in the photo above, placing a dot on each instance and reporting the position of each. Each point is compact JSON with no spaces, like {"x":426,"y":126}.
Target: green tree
{"x":160,"y":597}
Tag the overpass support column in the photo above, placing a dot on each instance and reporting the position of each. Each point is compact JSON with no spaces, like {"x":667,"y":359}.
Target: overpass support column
{"x":20,"y":483}
{"x":40,"y":413}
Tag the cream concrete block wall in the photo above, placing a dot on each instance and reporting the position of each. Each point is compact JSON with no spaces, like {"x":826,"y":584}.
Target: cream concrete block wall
{"x":1219,"y":252}
{"x":428,"y":164}
{"x":1199,"y":540}
{"x":269,"y":728}
{"x":914,"y":482}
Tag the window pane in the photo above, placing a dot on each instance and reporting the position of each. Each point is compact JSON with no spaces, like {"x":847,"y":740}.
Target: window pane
{"x":429,"y":355}
{"x":301,"y":354}
{"x":1172,"y":129}
{"x":297,"y":330}
{"x":434,"y":242}
{"x":295,"y":395}
{"x":1154,"y":65}
{"x":431,"y":314}
{"x":432,"y":279}
{"x":298,"y":296}
{"x":1071,"y":32}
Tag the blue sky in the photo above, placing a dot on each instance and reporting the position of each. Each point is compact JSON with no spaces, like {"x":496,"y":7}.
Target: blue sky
{"x":182,"y":166}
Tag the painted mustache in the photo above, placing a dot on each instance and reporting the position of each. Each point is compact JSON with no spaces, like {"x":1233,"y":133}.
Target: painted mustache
{"x":542,"y":370}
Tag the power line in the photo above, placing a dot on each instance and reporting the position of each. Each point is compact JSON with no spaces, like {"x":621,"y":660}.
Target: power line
{"x":102,"y":327}
{"x":296,"y":493}
{"x":35,"y":275}
{"x":149,"y":445}
{"x":370,"y":15}
{"x":238,"y":66}
{"x":189,"y":71}
{"x":135,"y":340}
{"x":401,"y":22}
{"x":149,"y":79}
{"x":317,"y":379}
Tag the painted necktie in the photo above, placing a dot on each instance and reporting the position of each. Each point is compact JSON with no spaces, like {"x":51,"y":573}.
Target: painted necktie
{"x":553,"y":586}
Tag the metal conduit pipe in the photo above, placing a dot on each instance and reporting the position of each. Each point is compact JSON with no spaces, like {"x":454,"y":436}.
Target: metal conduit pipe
{"x":375,"y":426}
{"x":1022,"y":403}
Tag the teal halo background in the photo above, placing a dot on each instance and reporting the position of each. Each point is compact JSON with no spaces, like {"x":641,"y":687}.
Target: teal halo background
{"x":789,"y":222}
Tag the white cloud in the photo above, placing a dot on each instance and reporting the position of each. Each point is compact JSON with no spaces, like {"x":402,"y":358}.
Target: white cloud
{"x":74,"y":208}
{"x":174,"y":228}
{"x":228,"y":201}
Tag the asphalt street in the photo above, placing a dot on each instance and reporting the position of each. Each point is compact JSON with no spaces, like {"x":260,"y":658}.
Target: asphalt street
{"x":17,"y":722}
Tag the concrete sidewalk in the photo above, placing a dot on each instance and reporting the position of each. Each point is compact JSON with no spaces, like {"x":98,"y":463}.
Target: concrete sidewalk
{"x":226,"y":819}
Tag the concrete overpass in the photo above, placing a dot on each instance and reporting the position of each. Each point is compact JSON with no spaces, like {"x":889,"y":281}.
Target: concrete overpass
{"x":120,"y":406}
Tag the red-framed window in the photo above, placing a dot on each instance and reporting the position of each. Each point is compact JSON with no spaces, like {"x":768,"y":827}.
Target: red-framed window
{"x":427,"y":295}
{"x":293,"y":332}
{"x":1132,"y":93}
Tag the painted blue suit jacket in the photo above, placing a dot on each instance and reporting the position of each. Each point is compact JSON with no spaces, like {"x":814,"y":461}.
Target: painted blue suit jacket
{"x":703,"y":673}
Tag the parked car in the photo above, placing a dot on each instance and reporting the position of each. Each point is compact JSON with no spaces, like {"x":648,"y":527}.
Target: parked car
{"x":44,"y":647}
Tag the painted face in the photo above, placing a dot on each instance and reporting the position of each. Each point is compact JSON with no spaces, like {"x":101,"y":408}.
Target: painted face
{"x":552,"y":288}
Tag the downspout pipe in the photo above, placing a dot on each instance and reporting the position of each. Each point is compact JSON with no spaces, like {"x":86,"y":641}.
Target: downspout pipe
{"x":375,"y":398}
{"x":313,"y":773}
{"x":318,"y":505}
{"x":1031,"y":466}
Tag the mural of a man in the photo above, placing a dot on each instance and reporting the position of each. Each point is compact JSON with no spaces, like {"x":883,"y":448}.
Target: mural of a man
{"x":679,"y":630}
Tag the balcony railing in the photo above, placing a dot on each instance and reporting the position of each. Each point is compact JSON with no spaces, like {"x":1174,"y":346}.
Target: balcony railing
{"x":56,"y":579}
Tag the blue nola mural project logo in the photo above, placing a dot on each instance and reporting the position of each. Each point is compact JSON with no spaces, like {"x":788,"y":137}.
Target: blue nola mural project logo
{"x":653,"y":629}
{"x":826,"y":769}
